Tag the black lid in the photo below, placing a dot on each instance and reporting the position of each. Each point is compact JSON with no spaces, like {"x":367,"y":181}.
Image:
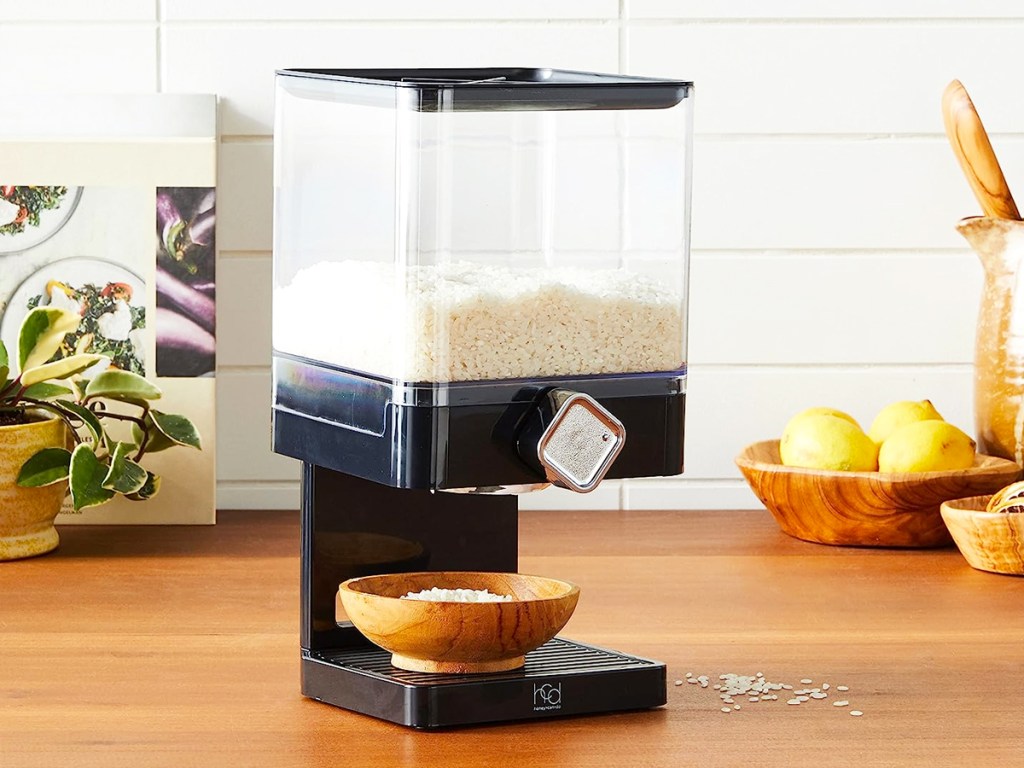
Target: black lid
{"x":512,"y":89}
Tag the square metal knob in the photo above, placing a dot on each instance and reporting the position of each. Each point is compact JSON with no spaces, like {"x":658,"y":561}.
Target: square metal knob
{"x":580,"y":443}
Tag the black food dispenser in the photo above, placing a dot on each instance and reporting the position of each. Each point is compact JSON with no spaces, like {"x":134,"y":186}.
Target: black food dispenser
{"x":479,"y":290}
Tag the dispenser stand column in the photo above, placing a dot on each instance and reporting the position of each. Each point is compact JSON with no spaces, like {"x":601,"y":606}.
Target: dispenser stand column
{"x":354,"y":527}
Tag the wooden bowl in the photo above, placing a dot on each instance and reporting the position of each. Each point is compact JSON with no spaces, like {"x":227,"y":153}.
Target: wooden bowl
{"x":865,"y":509}
{"x":425,"y":636}
{"x":990,"y":541}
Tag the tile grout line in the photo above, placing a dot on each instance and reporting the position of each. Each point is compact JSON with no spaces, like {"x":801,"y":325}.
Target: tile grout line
{"x":751,"y":138}
{"x":849,"y":21}
{"x":159,"y":47}
{"x":623,"y":36}
{"x":458,"y":22}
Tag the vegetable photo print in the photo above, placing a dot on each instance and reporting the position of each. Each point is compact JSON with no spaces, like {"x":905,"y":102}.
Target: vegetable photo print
{"x":186,"y":288}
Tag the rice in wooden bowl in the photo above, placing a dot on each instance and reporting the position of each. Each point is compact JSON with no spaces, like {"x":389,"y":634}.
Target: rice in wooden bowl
{"x":426,"y":635}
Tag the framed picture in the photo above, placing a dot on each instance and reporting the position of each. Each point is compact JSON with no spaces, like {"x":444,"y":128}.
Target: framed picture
{"x":108,"y":209}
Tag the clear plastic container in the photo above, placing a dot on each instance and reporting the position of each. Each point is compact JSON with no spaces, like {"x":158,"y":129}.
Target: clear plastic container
{"x":464,"y":226}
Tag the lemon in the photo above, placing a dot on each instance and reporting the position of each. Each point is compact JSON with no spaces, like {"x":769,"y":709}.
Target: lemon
{"x":817,"y":411}
{"x":826,"y":441}
{"x":926,"y":446}
{"x":896,"y":415}
{"x":820,"y":410}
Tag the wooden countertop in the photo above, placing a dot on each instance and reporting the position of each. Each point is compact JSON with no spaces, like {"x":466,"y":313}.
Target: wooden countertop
{"x":153,"y":646}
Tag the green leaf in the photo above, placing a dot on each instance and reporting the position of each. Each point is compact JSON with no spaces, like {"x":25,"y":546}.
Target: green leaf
{"x":83,"y":414}
{"x":122,"y":385}
{"x":58,"y":369}
{"x":149,"y":489}
{"x":87,"y":475}
{"x":4,"y":370}
{"x":124,"y":476}
{"x":47,"y":467}
{"x":157,"y":440}
{"x":177,"y":428}
{"x":44,"y":391}
{"x":79,"y":386}
{"x":4,"y":361}
{"x":41,"y":334}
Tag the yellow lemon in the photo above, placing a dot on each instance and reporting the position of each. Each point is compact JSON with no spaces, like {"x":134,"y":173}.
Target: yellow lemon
{"x":824,"y":441}
{"x":926,"y":446}
{"x":818,"y":411}
{"x":896,"y":415}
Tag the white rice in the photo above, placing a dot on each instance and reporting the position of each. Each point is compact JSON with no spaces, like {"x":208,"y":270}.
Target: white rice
{"x":439,"y":595}
{"x":463,"y":321}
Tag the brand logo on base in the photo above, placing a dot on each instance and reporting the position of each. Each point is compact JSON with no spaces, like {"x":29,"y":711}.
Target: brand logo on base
{"x":547,"y":697}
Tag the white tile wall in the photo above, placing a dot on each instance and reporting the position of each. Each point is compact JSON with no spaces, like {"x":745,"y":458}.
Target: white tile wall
{"x":859,"y":308}
{"x":107,"y":58}
{"x":237,"y":60}
{"x":848,"y":10}
{"x":804,"y":77}
{"x":75,"y":10}
{"x":467,"y":11}
{"x":825,"y":267}
{"x":245,"y":207}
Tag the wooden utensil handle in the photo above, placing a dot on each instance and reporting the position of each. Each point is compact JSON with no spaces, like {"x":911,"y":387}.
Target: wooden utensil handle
{"x":974,"y":151}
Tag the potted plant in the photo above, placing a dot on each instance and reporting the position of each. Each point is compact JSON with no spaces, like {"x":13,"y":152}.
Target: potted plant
{"x":85,"y":436}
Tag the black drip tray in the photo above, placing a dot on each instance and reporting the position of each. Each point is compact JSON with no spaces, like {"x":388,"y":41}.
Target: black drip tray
{"x":556,"y":657}
{"x":560,"y":678}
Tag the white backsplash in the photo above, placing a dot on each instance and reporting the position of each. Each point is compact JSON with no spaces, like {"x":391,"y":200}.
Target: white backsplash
{"x":825,"y":267}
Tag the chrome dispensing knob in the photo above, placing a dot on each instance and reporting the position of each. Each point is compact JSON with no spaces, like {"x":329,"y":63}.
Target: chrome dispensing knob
{"x":571,"y":439}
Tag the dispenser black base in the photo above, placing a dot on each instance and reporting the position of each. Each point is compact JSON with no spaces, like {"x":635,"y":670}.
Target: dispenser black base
{"x":354,"y":527}
{"x":462,"y":434}
{"x":560,"y":678}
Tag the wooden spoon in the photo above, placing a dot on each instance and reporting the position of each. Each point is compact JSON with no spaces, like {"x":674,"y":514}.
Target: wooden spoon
{"x":974,"y":151}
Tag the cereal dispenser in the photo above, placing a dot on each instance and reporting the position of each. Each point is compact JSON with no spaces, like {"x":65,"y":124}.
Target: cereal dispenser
{"x":479,"y":290}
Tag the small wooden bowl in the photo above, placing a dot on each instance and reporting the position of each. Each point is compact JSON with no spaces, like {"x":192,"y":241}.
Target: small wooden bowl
{"x":990,"y":541}
{"x":865,"y":509}
{"x":426,"y":636}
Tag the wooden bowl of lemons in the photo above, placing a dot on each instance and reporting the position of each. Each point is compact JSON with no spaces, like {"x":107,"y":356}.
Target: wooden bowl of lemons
{"x":990,"y":537}
{"x":846,"y":500}
{"x":427,"y":628}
